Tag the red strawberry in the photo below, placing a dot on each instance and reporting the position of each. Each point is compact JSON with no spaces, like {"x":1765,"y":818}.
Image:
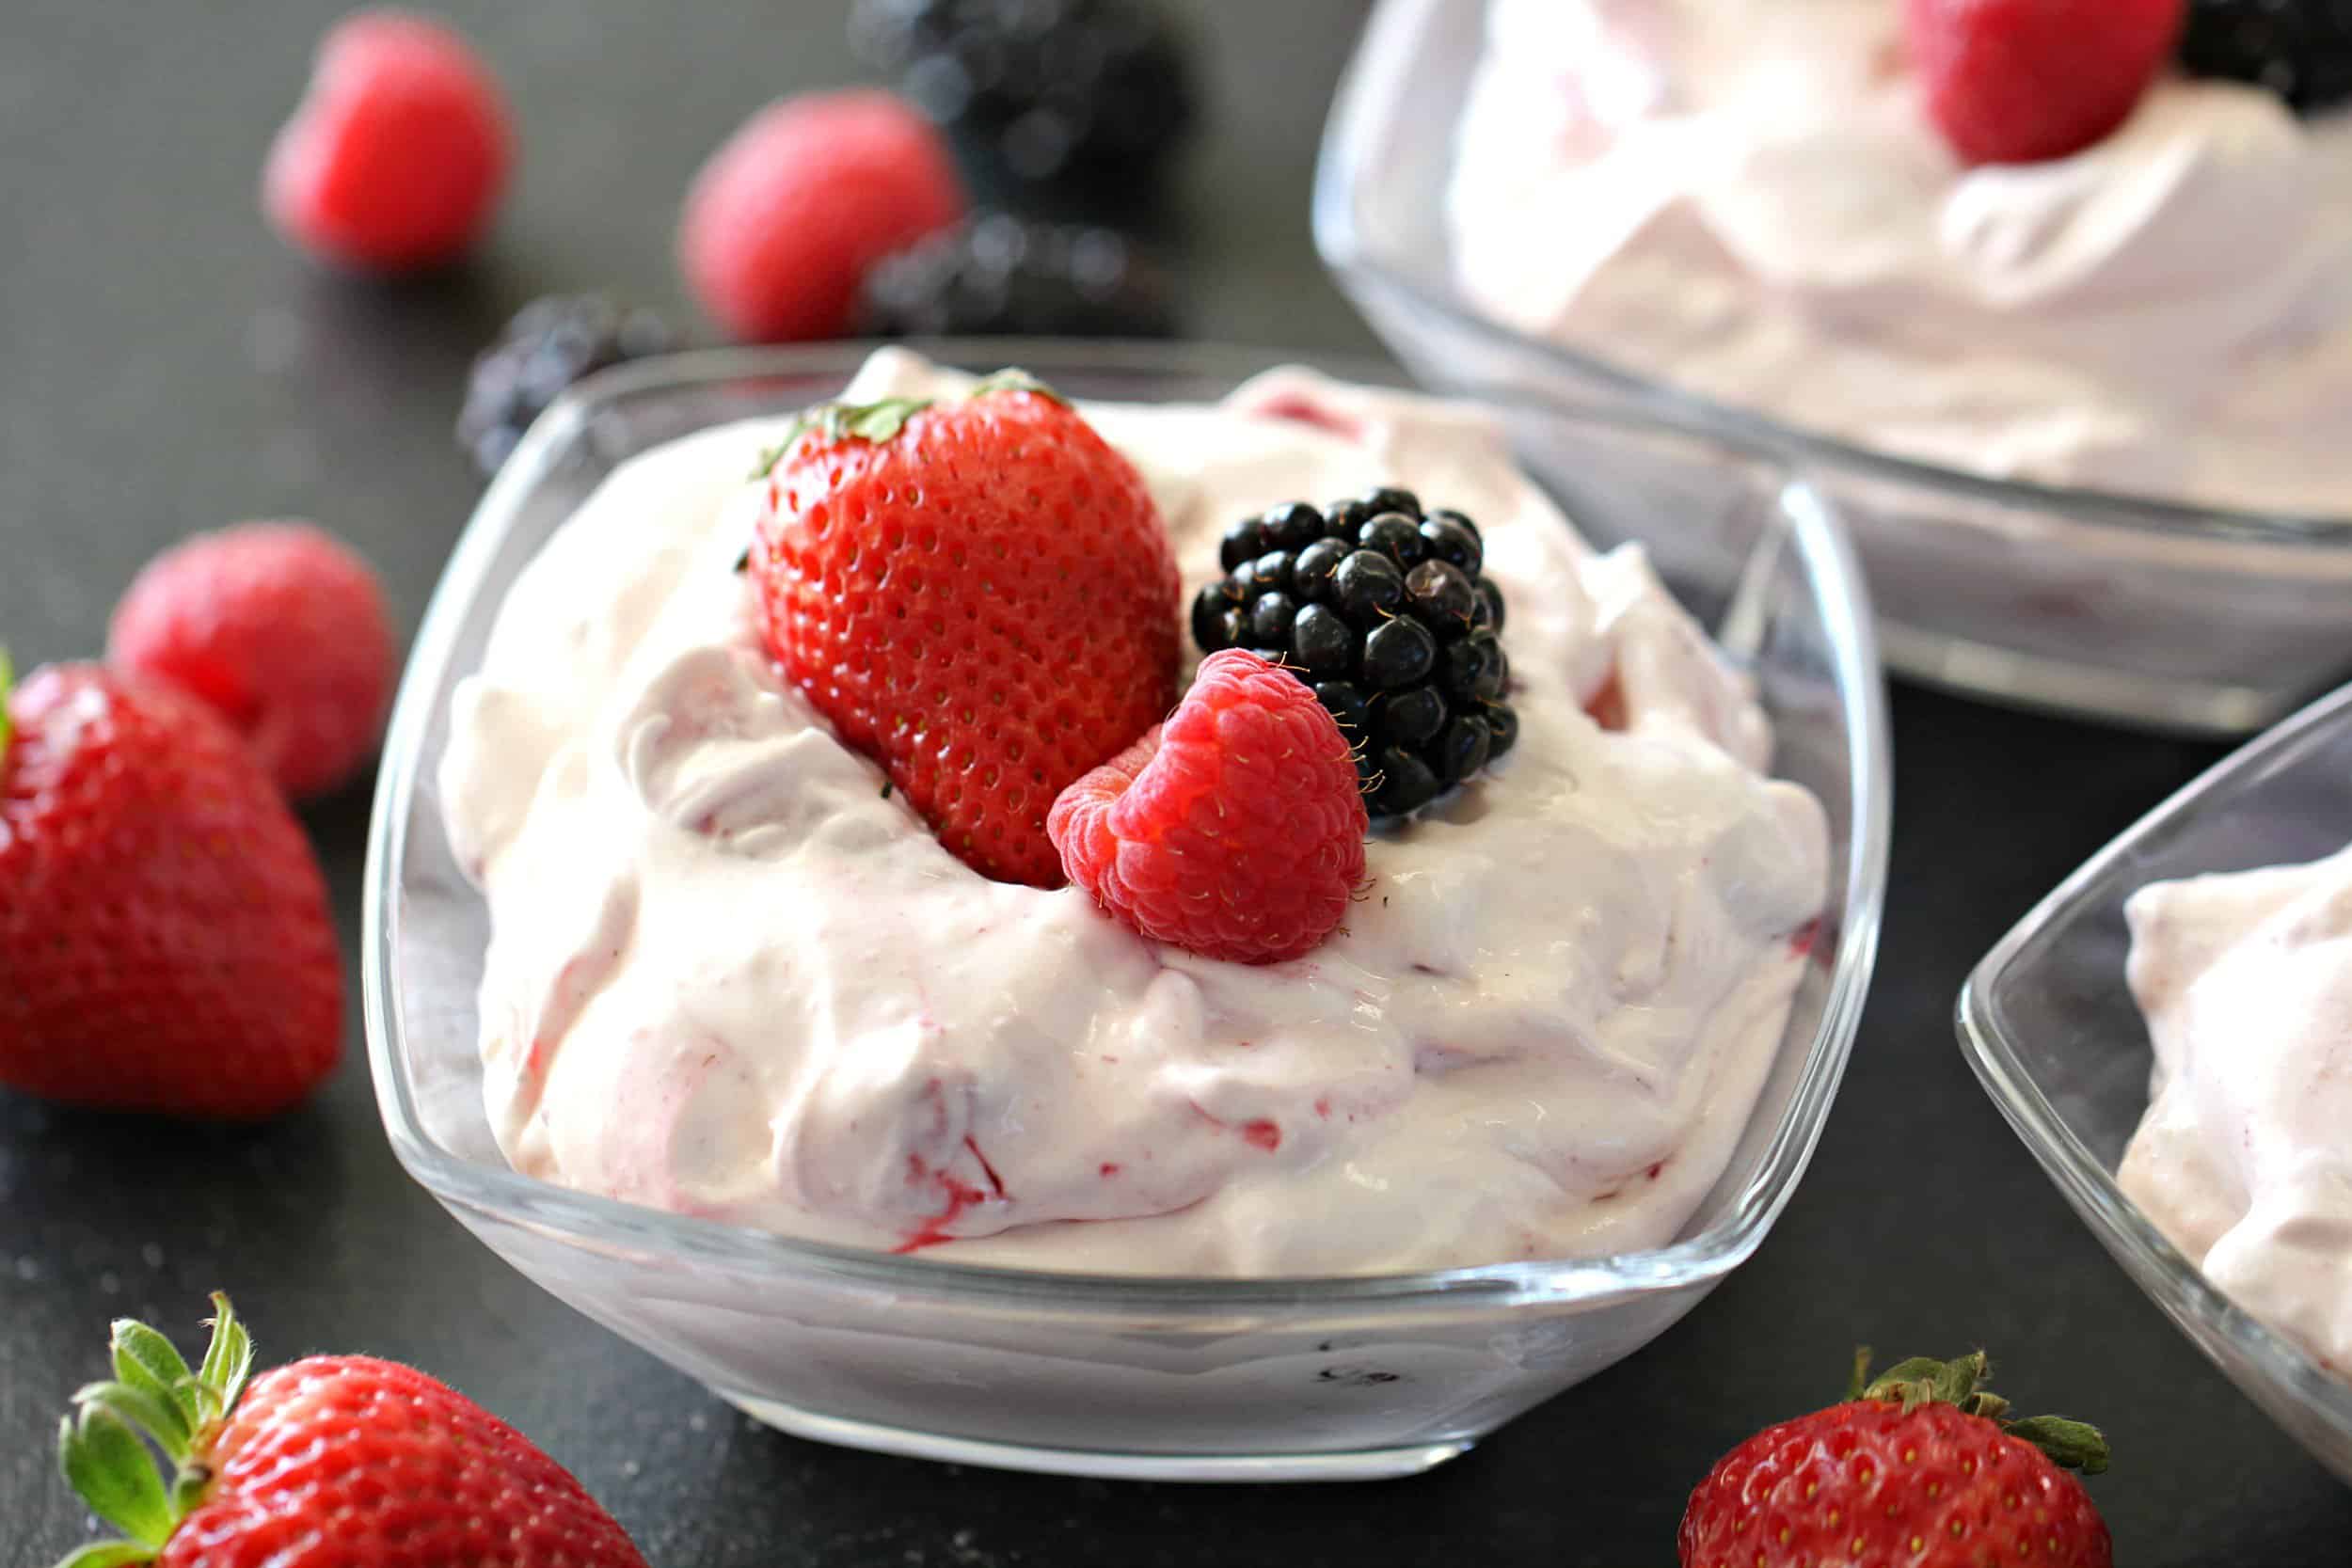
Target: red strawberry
{"x":334,"y":1461}
{"x":1235,"y":830}
{"x":283,"y":630}
{"x":398,"y":153}
{"x":979,"y":595}
{"x":2019,"y":81}
{"x":1921,"y":1468}
{"x":164,"y":927}
{"x":784,"y":220}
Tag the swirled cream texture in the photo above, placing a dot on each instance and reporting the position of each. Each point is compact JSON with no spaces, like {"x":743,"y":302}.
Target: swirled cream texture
{"x":2245,"y":1157}
{"x":731,"y":975}
{"x":1745,"y":200}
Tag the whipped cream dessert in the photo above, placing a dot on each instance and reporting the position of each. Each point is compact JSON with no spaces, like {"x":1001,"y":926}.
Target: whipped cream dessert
{"x":2245,"y":1157}
{"x":1748,"y":201}
{"x":732,"y":976}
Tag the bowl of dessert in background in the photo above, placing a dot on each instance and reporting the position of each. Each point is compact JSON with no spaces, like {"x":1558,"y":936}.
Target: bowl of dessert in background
{"x":1266,"y":1315}
{"x":2166,"y":1033}
{"x":2089,"y":432}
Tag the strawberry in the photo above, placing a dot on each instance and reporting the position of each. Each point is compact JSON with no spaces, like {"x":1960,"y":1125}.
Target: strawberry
{"x":163,"y":928}
{"x":978,"y":594}
{"x":333,"y":1462}
{"x":1234,"y":831}
{"x":282,"y":629}
{"x":1920,"y":1467}
{"x":2021,"y":80}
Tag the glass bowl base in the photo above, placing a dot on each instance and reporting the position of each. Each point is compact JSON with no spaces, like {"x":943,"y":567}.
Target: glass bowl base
{"x":1359,"y":1465}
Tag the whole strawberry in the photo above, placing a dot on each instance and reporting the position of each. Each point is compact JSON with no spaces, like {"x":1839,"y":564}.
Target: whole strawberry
{"x":283,"y":630}
{"x":979,"y":595}
{"x":333,"y":1462}
{"x":2021,"y":80}
{"x":1235,"y":830}
{"x":163,"y":930}
{"x":1920,"y":1467}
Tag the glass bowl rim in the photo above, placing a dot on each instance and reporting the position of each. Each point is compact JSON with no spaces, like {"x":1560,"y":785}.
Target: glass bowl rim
{"x":1339,"y":240}
{"x":581,"y":1217}
{"x":1991,"y":1042}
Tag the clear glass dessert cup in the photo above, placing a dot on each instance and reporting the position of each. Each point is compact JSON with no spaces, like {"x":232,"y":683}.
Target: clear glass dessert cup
{"x":2129,"y":608}
{"x":2052,"y":1031}
{"x":1174,"y":1378}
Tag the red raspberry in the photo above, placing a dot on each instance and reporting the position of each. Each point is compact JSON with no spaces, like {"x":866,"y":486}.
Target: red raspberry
{"x":784,"y":220}
{"x":980,"y":596}
{"x":1234,"y":831}
{"x":2021,"y":80}
{"x":279,"y":629}
{"x":398,"y":151}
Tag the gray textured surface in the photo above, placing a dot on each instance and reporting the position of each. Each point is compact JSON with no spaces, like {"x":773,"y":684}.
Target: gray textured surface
{"x":166,"y":366}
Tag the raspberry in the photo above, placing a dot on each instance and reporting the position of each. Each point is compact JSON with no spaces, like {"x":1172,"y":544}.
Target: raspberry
{"x":2021,"y":80}
{"x":1234,"y":831}
{"x":398,"y":153}
{"x":784,"y":219}
{"x":278,"y":627}
{"x":979,"y":595}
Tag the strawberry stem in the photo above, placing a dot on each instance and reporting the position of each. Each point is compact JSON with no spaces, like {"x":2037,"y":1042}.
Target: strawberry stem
{"x":8,"y":683}
{"x":1960,"y":1381}
{"x":103,"y":1448}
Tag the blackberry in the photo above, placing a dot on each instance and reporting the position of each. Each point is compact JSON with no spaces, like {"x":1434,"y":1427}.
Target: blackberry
{"x":549,"y":344}
{"x":2299,"y":48}
{"x":1079,"y":93}
{"x":1003,"y":276}
{"x":1381,"y":608}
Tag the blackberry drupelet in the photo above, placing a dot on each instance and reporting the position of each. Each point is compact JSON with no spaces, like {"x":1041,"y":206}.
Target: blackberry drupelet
{"x":551,"y":343}
{"x":1072,"y":93}
{"x":2299,"y":48}
{"x":1004,"y":276}
{"x":1381,"y":608}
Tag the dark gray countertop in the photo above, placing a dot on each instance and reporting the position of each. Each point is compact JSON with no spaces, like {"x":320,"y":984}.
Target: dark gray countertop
{"x":166,"y":366}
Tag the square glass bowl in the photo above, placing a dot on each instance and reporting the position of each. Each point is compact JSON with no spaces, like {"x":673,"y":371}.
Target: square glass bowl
{"x":2126,"y":609}
{"x":1174,"y":1378}
{"x":2051,"y":1030}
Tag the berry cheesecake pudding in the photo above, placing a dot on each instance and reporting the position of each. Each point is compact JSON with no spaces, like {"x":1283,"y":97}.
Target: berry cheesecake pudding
{"x":2243,"y":1159}
{"x":1990,"y":237}
{"x":1249,"y":839}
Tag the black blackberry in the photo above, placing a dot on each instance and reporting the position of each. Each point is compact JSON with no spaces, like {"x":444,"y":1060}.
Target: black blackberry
{"x":1075,"y":92}
{"x":1003,"y":276}
{"x":2299,"y":48}
{"x":1383,"y":610}
{"x":549,"y":344}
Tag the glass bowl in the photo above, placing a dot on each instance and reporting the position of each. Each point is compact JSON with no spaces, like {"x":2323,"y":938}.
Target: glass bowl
{"x":1175,"y":1378}
{"x":2052,"y":1031}
{"x":2133,"y":610}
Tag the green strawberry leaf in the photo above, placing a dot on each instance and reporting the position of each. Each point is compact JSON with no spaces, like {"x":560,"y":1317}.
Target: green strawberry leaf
{"x":2070,"y":1445}
{"x":146,"y":1360}
{"x":8,"y":683}
{"x":1013,"y":379}
{"x":844,"y":421}
{"x":110,"y":1554}
{"x":227,"y":1360}
{"x":149,"y":1412}
{"x":104,"y":1461}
